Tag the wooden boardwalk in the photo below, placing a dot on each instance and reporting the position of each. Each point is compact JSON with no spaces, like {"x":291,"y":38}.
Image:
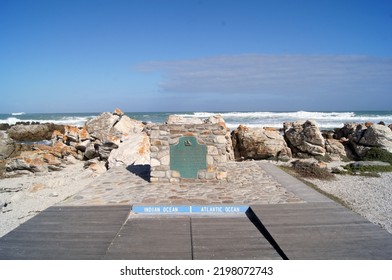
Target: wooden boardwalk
{"x":65,"y":233}
{"x":105,"y":232}
{"x":328,"y":231}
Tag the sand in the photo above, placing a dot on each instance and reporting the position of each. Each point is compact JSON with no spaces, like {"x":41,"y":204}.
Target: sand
{"x":21,"y":198}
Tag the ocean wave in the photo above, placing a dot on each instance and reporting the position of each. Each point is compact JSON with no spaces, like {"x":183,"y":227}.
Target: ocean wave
{"x":325,"y":120}
{"x":74,"y":120}
{"x":18,"y":114}
{"x":274,"y":115}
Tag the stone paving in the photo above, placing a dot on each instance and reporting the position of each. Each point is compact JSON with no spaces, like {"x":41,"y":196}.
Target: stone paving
{"x":247,"y":184}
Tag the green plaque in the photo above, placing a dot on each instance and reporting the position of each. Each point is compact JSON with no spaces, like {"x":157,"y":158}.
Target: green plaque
{"x":188,"y":157}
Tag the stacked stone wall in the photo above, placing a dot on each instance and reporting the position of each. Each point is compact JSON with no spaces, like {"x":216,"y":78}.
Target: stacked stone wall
{"x":216,"y":137}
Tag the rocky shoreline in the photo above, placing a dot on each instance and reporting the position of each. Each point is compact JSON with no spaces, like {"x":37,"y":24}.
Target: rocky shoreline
{"x":114,"y":139}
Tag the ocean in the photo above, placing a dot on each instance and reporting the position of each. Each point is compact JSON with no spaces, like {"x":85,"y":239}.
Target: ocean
{"x":325,"y":120}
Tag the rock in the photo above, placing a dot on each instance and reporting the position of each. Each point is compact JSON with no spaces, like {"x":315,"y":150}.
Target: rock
{"x":95,"y":165}
{"x":377,"y":135}
{"x":118,"y":112}
{"x":344,"y":132}
{"x":71,"y":160}
{"x":305,"y":138}
{"x":217,"y":119}
{"x":91,"y":151}
{"x":338,"y":170}
{"x":37,"y":132}
{"x":134,"y":150}
{"x":59,"y":150}
{"x":126,"y":126}
{"x":71,"y":133}
{"x":390,"y":126}
{"x":82,"y":146}
{"x":367,"y":124}
{"x":7,"y":145}
{"x":31,"y":161}
{"x":335,"y":148}
{"x":175,"y":119}
{"x":105,"y":149}
{"x":362,"y":137}
{"x":83,"y":134}
{"x":4,"y":126}
{"x":259,"y":143}
{"x":99,"y":127}
{"x":113,"y":128}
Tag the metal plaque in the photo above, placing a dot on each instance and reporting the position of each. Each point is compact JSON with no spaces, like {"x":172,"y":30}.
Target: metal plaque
{"x":188,"y":157}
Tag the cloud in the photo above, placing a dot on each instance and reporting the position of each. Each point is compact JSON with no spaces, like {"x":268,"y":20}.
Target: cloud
{"x":278,"y":75}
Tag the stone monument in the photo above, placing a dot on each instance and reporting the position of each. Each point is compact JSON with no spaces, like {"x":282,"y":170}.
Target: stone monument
{"x":194,"y":151}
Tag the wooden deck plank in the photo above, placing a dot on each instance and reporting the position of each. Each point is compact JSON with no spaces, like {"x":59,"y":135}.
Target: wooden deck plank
{"x":323,"y":231}
{"x":65,"y":233}
{"x":153,"y":238}
{"x":229,"y":238}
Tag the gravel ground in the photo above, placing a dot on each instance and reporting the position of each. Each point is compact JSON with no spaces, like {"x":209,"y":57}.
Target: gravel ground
{"x":369,"y":197}
{"x":22,"y":198}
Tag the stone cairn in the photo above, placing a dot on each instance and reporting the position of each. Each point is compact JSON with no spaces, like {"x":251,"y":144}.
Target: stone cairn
{"x":213,"y":133}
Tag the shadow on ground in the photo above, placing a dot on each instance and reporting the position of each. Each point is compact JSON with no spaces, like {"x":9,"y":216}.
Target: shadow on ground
{"x":143,"y":171}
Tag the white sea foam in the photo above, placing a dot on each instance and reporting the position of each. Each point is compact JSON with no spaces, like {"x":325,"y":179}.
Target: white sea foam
{"x":325,"y":120}
{"x":74,"y":120}
{"x":18,"y":114}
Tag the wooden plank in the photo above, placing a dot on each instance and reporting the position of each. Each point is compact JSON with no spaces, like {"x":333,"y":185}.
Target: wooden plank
{"x":153,"y":238}
{"x":323,"y":231}
{"x":229,"y":238}
{"x":65,"y":233}
{"x":292,"y":184}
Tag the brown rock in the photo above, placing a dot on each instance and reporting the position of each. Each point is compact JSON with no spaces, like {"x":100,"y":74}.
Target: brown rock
{"x":37,"y":132}
{"x":118,"y":112}
{"x":335,"y":148}
{"x":259,"y":143}
{"x":305,"y":138}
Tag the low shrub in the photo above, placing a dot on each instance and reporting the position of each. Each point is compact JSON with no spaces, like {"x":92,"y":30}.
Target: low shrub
{"x":378,"y":154}
{"x":311,"y":170}
{"x":367,"y":170}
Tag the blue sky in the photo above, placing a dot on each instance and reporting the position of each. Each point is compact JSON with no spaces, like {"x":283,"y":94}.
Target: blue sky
{"x":91,"y":56}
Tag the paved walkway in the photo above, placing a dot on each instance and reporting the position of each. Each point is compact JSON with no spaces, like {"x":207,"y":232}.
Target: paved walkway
{"x":247,"y":184}
{"x":285,"y":220}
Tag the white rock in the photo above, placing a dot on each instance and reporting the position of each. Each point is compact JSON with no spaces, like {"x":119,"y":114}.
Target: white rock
{"x":134,"y":150}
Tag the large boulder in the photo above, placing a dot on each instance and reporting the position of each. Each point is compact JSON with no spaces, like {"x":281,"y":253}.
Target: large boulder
{"x":344,"y":132}
{"x":113,"y":127}
{"x":7,"y":145}
{"x":363,"y":137}
{"x":304,"y":138}
{"x":32,"y":162}
{"x":126,"y":126}
{"x":99,"y":127}
{"x":134,"y":150}
{"x":34,"y":132}
{"x":379,"y":136}
{"x":335,"y":149}
{"x":259,"y":143}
